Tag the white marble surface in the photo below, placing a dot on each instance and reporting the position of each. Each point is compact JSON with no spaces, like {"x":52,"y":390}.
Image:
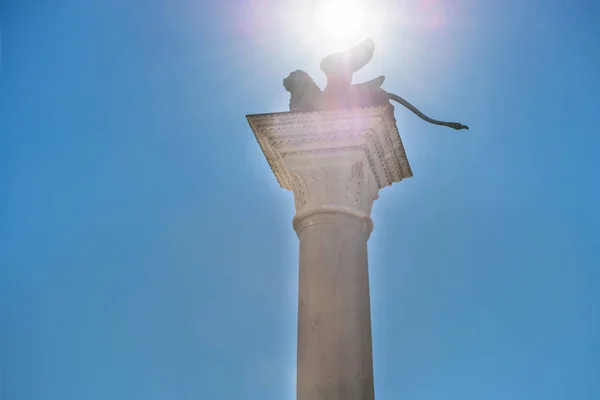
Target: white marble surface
{"x":335,"y":162}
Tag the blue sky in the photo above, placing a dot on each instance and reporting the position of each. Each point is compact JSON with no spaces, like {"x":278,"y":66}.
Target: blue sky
{"x":146,"y":250}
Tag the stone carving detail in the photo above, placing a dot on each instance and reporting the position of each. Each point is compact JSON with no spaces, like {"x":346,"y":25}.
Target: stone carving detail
{"x":357,"y":174}
{"x":334,"y":160}
{"x":345,"y":185}
{"x":300,"y":191}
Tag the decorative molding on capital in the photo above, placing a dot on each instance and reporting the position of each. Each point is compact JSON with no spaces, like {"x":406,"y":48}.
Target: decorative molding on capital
{"x":328,"y":216}
{"x":336,"y":160}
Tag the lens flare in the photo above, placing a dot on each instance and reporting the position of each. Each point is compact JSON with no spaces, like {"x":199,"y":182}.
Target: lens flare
{"x":341,"y":19}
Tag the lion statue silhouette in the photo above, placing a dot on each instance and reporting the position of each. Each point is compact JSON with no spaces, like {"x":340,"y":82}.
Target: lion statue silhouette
{"x":340,"y":93}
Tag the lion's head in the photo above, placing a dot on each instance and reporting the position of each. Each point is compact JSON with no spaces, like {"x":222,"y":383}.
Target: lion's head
{"x":298,"y":80}
{"x":305,"y":94}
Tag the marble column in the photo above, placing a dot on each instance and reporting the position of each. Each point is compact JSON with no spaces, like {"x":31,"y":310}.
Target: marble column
{"x":335,"y":162}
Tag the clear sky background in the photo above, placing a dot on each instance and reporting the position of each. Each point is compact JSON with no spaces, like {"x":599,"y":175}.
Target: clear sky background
{"x":147,"y":252}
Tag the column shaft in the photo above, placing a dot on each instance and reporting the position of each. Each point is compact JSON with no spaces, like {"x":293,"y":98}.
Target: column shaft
{"x":334,"y":319}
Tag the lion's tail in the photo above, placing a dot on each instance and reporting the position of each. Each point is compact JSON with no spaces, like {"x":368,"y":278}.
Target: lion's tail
{"x":453,"y":125}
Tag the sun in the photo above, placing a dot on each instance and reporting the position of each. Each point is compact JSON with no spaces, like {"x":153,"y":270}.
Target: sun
{"x":341,"y":19}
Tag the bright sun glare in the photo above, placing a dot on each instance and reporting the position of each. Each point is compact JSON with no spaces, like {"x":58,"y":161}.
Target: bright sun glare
{"x":342,"y":19}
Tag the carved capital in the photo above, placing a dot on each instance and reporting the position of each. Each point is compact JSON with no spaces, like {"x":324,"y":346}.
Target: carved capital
{"x":345,"y":185}
{"x":333,"y":161}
